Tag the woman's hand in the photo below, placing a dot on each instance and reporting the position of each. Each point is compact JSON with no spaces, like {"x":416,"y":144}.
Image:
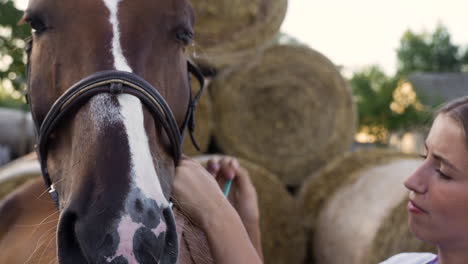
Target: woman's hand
{"x":242,"y":196}
{"x":196,"y":193}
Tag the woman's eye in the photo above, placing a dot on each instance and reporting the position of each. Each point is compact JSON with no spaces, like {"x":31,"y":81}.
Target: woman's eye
{"x":423,"y":156}
{"x":185,"y":36}
{"x":443,"y":175}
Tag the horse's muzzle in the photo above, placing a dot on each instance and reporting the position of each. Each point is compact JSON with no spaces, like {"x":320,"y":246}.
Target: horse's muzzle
{"x":145,"y":236}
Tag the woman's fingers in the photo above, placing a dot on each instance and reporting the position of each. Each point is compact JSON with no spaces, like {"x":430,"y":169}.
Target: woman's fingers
{"x":225,"y":168}
{"x":229,"y":166}
{"x":213,"y":166}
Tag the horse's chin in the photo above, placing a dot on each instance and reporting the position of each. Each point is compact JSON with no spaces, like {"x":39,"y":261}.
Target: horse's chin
{"x":77,"y":242}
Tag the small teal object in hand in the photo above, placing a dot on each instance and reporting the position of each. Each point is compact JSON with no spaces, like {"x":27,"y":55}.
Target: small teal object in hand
{"x":227,"y":187}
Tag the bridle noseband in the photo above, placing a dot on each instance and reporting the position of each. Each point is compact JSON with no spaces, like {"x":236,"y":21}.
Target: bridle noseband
{"x":116,"y":82}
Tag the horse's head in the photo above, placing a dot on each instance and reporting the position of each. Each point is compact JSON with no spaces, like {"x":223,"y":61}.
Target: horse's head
{"x":107,"y":144}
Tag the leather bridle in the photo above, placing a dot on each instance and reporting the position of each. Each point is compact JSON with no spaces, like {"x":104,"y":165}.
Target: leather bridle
{"x":116,"y":82}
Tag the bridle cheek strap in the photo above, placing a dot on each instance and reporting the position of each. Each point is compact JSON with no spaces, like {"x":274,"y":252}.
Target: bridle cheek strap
{"x":189,"y":121}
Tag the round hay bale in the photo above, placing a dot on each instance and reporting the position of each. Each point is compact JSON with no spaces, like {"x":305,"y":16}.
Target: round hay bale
{"x":394,"y":237}
{"x":359,"y":208}
{"x":203,"y":122}
{"x":283,"y":238}
{"x":324,"y":183}
{"x":17,"y":172}
{"x":290,"y":112}
{"x":228,"y":32}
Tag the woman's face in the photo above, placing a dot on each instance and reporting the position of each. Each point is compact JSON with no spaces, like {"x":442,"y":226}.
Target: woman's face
{"x":439,"y":187}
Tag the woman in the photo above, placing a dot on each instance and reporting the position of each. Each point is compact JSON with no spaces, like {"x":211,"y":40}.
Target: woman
{"x":438,"y":206}
{"x":231,"y":226}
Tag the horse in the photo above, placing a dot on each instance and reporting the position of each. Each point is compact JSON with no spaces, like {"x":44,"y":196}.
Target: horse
{"x":108,"y":87}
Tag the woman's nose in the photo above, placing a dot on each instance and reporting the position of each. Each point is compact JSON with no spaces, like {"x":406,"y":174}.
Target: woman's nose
{"x":417,"y":182}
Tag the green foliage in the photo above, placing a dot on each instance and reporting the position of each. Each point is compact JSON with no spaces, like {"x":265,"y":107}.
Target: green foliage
{"x":374,"y":93}
{"x":423,"y":52}
{"x":9,"y":101}
{"x":12,"y":42}
{"x":381,"y":101}
{"x":372,"y":90}
{"x":464,"y":60}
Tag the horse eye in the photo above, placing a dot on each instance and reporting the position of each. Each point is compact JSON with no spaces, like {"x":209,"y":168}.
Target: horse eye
{"x":37,"y":25}
{"x":185,"y":36}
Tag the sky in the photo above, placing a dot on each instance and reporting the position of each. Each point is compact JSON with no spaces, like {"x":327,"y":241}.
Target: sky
{"x":357,"y":33}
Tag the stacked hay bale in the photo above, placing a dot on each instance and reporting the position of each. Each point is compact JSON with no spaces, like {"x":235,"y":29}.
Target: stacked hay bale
{"x":15,"y":173}
{"x":229,"y":32}
{"x":356,"y":208}
{"x":283,"y":238}
{"x":289,"y":111}
{"x":285,"y":108}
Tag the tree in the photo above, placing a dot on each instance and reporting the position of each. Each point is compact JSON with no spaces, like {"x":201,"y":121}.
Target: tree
{"x":464,"y":60}
{"x":12,"y":58}
{"x":424,"y":52}
{"x":385,"y":103}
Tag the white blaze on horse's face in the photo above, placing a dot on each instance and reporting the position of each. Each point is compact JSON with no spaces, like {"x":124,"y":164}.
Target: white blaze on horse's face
{"x":126,"y":230}
{"x":143,"y":173}
{"x":120,"y":62}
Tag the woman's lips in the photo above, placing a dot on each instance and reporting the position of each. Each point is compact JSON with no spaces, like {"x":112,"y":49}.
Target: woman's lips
{"x":415,"y":209}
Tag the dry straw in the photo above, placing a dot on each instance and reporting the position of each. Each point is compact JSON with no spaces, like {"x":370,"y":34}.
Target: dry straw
{"x":289,"y":111}
{"x":354,"y":208}
{"x":228,"y":32}
{"x":394,"y":237}
{"x":283,"y":237}
{"x":203,"y":123}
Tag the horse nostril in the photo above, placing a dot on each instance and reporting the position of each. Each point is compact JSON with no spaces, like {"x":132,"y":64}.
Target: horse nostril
{"x":108,"y":240}
{"x":138,"y":206}
{"x":171,"y":248}
{"x":147,"y":246}
{"x":69,"y":249}
{"x":151,"y":215}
